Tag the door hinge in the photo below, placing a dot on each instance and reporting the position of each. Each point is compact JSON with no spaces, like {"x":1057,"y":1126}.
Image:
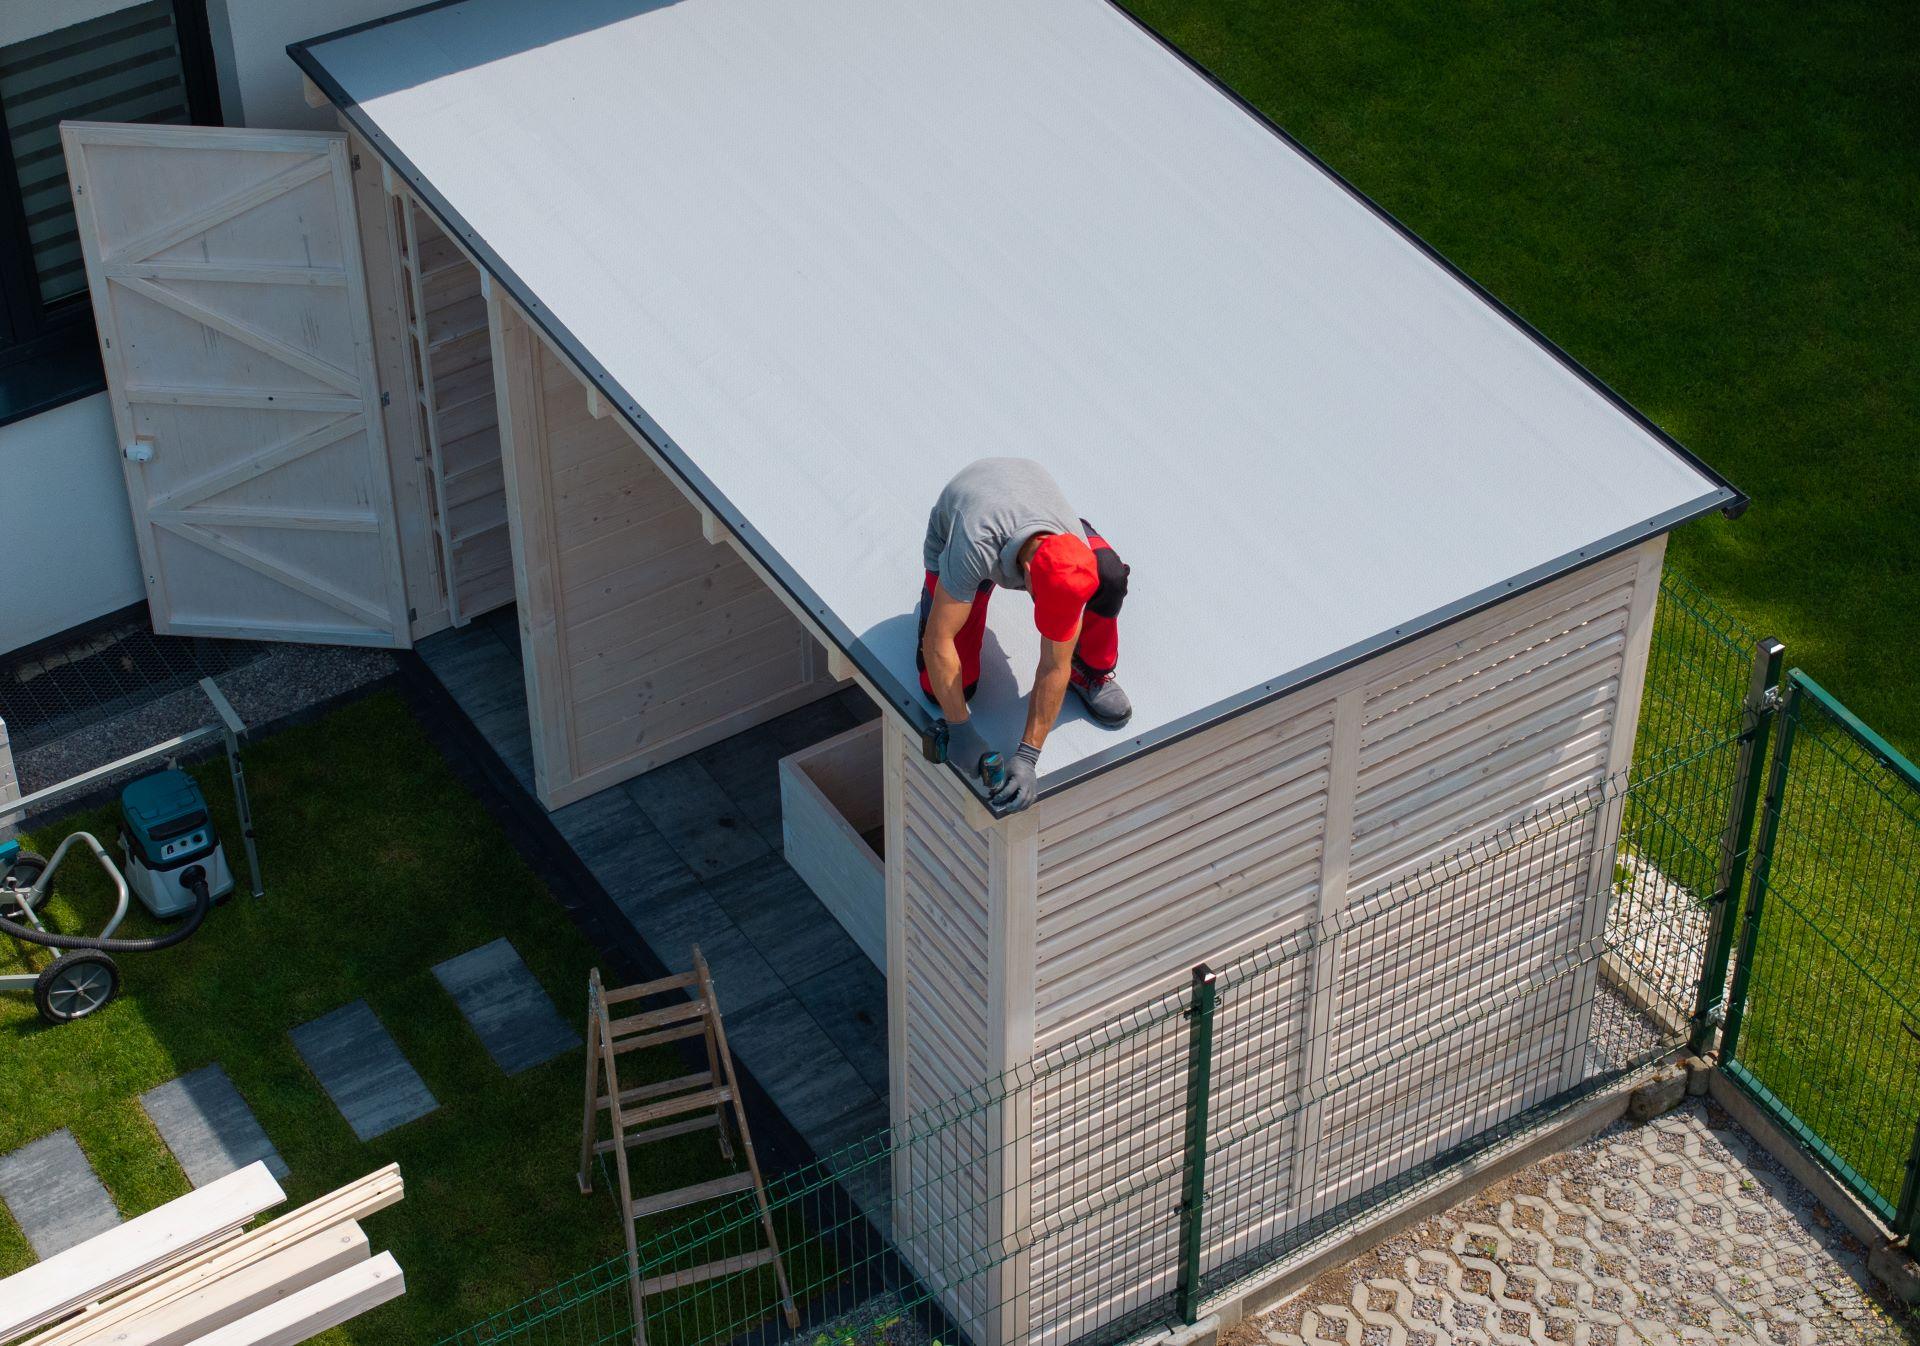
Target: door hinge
{"x":386,"y":398}
{"x":413,"y":614}
{"x":355,"y":162}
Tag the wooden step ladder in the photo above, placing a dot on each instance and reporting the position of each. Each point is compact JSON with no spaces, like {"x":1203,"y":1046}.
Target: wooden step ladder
{"x":662,"y":1110}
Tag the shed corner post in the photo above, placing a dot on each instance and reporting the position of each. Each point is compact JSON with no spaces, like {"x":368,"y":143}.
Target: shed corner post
{"x":1013,"y":881}
{"x":518,"y":396}
{"x":894,"y":745}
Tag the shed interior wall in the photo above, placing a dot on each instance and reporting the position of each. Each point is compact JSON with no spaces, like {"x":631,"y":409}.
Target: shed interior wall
{"x":643,"y":639}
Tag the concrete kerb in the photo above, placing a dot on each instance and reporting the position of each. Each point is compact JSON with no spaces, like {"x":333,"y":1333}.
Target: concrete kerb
{"x":1640,"y":1098}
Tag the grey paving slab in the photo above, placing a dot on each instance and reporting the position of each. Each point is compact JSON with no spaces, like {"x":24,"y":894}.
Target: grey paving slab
{"x":858,"y":704}
{"x":672,"y":920}
{"x":507,"y":1007}
{"x":359,"y":1065}
{"x":807,"y":725}
{"x":855,"y":1146}
{"x":746,"y":767}
{"x":849,"y":1002}
{"x":775,"y":909}
{"x":476,"y":668}
{"x":621,"y":846}
{"x":795,"y":1061}
{"x":508,"y":732}
{"x":696,"y":817}
{"x":54,"y":1195}
{"x":209,"y":1127}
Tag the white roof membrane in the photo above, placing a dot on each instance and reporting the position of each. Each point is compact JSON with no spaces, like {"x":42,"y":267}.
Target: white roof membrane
{"x":829,"y":251}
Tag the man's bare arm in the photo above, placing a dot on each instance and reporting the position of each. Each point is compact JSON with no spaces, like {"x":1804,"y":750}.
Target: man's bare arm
{"x":1049,"y":689}
{"x":947,"y":615}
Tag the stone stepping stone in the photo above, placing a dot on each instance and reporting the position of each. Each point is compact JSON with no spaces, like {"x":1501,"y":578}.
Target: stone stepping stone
{"x":209,"y":1127}
{"x":357,"y":1062}
{"x":54,"y":1194}
{"x":507,"y":1007}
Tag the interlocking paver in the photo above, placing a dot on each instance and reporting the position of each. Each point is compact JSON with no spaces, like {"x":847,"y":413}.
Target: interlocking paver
{"x":1681,"y":1231}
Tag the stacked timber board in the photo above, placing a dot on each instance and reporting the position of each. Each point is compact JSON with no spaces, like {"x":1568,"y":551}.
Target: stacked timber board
{"x":191,"y":1271}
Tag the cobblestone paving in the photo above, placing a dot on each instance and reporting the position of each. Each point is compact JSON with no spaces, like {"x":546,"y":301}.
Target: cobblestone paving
{"x":1680,"y":1231}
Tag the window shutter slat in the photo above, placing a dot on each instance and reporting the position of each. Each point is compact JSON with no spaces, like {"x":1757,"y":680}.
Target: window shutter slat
{"x":122,"y":67}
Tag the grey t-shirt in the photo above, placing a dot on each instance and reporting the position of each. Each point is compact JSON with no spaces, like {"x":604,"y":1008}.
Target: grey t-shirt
{"x":983,"y":518}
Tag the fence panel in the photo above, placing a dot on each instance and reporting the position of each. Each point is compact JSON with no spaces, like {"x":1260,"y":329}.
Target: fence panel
{"x":1823,"y":1028}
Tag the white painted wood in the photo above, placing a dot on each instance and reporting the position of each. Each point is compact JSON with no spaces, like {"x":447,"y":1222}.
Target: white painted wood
{"x":140,"y":1247}
{"x":192,"y":1315}
{"x":832,"y":795}
{"x":307,"y":1313}
{"x":894,"y":745}
{"x":1013,"y":876}
{"x":459,"y":414}
{"x":942,"y":986}
{"x":225,"y":270}
{"x":9,"y":778}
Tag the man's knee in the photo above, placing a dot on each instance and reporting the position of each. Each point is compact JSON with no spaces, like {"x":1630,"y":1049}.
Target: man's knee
{"x":1112,"y":592}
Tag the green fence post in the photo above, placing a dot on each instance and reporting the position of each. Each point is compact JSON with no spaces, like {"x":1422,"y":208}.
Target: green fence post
{"x":1762,"y":864}
{"x":1735,"y":842}
{"x":1906,"y":1219}
{"x":1193,"y":1191}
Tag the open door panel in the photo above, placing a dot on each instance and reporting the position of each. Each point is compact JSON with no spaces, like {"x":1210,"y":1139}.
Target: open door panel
{"x":228,"y":290}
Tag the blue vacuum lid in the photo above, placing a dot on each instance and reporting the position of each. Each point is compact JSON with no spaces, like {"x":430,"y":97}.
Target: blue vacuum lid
{"x":163,"y":805}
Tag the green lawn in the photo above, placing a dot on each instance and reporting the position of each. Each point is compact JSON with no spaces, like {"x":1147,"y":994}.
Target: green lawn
{"x":378,"y":864}
{"x":1712,"y":206}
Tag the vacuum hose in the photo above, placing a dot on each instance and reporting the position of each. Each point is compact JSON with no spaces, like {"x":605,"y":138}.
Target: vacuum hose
{"x":195,"y":880}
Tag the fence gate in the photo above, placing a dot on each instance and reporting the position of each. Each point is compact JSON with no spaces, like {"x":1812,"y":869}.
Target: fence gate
{"x":1820,"y":1029}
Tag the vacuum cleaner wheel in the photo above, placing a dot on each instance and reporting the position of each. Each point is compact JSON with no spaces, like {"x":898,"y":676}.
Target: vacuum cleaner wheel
{"x":75,"y":985}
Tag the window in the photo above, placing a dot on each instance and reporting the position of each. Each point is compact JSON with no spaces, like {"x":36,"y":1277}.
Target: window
{"x":148,"y":62}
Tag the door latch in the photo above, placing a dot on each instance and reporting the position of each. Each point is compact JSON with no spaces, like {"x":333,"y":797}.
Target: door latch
{"x":140,"y":451}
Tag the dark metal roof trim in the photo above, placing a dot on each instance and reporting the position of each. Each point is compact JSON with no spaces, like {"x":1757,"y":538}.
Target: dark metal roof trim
{"x":906,"y":700}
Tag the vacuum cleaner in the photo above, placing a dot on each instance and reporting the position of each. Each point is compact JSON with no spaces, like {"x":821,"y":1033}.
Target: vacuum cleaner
{"x":165,"y":831}
{"x":174,"y":860}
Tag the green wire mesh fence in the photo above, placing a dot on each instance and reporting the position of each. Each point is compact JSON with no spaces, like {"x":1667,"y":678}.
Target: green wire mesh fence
{"x":1824,"y":1022}
{"x":1122,"y":1177}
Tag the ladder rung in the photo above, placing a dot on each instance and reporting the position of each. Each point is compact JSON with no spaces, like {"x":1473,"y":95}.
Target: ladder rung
{"x":726,"y":1266}
{"x":653,"y":1133}
{"x":661,"y":1038}
{"x":653,"y":1112}
{"x":672,"y":1014}
{"x":684,"y":981}
{"x":688,"y":1196}
{"x":640,"y":1091}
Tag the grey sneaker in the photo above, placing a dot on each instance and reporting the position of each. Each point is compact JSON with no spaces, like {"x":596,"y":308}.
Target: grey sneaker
{"x":1104,"y":698}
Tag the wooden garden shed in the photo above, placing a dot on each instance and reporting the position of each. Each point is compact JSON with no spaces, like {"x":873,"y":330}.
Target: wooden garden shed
{"x":667,"y":319}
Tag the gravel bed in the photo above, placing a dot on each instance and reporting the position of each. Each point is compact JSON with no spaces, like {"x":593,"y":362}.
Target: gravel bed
{"x":289,"y":679}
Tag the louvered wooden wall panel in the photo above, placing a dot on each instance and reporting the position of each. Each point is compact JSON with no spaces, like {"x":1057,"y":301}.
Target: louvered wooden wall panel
{"x":1189,"y":860}
{"x":1100,"y":1129}
{"x":942,"y":1187}
{"x":1458,"y":741}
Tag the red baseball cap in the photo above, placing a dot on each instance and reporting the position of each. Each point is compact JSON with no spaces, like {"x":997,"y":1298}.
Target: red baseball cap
{"x":1061,"y":577}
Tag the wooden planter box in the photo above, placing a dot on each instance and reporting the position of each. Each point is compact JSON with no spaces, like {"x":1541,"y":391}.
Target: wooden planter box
{"x":832,"y":805}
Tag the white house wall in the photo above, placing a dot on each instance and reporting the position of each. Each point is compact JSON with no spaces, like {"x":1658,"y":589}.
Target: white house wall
{"x":70,"y":553}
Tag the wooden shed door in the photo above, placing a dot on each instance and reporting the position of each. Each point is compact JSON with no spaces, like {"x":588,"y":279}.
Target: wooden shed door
{"x":231,"y":302}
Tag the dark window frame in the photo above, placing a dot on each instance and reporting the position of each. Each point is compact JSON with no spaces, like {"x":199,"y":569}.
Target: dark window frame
{"x":49,"y":353}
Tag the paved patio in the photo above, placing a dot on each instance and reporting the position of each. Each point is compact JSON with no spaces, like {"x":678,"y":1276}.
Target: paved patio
{"x":691,"y":852}
{"x":1683,"y":1230}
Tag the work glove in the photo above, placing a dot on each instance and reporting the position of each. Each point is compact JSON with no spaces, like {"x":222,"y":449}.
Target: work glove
{"x":1023,"y":780}
{"x":965,"y":747}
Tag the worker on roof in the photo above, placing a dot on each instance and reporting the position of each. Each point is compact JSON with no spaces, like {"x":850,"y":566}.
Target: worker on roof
{"x":1006,"y":522}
